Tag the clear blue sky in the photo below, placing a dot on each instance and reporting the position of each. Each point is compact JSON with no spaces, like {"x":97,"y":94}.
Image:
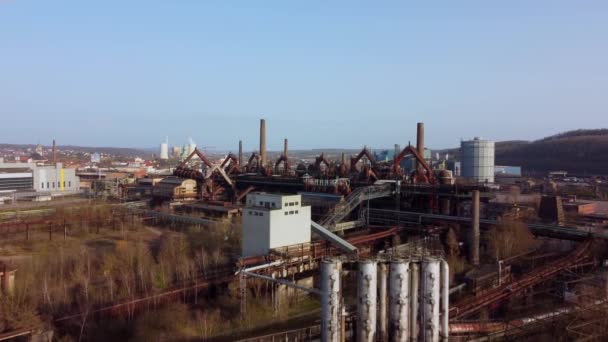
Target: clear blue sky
{"x":323,"y":73}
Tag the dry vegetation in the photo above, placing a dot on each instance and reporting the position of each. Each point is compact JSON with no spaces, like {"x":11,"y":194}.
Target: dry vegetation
{"x":508,"y":239}
{"x":105,"y":263}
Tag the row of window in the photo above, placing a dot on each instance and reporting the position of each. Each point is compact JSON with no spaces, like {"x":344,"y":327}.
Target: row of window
{"x":256,"y":213}
{"x":48,"y":184}
{"x":291,"y":212}
{"x":291,"y":204}
{"x":267,"y":204}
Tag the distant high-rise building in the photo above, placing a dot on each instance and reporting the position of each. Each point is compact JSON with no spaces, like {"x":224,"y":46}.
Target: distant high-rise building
{"x":164,"y":150}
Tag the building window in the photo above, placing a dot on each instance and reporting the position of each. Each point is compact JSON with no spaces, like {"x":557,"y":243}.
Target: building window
{"x":291,"y":212}
{"x":42,"y":185}
{"x":296,"y":203}
{"x":261,"y":203}
{"x":285,"y":213}
{"x":250,"y":212}
{"x":261,"y":214}
{"x":64,"y":184}
{"x":273,"y":204}
{"x":48,"y":185}
{"x":69,"y":184}
{"x":53,"y":185}
{"x":296,"y":211}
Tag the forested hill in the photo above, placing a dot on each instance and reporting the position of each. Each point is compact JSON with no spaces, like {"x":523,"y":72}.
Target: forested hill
{"x":583,"y":151}
{"x":580,"y":152}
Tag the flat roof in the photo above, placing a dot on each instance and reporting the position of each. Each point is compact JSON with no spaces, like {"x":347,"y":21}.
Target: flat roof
{"x":15,"y":170}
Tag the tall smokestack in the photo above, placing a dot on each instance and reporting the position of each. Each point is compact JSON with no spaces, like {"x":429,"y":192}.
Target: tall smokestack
{"x":240,"y":152}
{"x":420,"y":140}
{"x":285,"y":148}
{"x":54,"y":152}
{"x":263,"y":143}
{"x":474,"y":243}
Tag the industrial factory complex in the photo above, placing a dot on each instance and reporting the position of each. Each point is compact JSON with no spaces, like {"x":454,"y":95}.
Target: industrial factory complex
{"x":404,"y":244}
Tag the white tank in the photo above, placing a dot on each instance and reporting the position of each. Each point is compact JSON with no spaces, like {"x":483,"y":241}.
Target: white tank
{"x":382,"y":302}
{"x":430,"y":298}
{"x":477,"y":160}
{"x":164,"y":151}
{"x":415,"y":270}
{"x":366,"y":301}
{"x":399,"y":302}
{"x":330,"y":300}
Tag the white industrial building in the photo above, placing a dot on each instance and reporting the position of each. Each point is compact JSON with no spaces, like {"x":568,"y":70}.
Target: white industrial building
{"x":477,"y":160}
{"x":31,"y":180}
{"x":274,"y":220}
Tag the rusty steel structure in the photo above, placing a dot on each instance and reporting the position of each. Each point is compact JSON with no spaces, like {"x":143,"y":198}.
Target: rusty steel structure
{"x":234,"y":174}
{"x":537,"y":276}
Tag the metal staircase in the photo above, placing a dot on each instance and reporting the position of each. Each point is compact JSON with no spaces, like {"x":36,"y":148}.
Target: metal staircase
{"x":353,"y":200}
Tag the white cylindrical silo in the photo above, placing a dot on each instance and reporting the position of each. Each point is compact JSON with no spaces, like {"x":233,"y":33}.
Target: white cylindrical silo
{"x":330,"y":300}
{"x":399,"y":301}
{"x":444,"y":330}
{"x":366,"y":301}
{"x":382,"y":302}
{"x":430,"y":298}
{"x":414,"y":300}
{"x":477,"y":160}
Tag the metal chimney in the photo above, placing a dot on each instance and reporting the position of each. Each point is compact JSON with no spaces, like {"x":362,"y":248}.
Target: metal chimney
{"x":240,"y":153}
{"x":54,"y":152}
{"x":420,"y":139}
{"x":262,"y":143}
{"x":474,"y":243}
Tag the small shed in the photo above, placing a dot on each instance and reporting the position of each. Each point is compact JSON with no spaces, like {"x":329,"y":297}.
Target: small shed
{"x":171,"y":188}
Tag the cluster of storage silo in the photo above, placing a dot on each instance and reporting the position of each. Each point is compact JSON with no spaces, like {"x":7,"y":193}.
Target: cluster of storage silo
{"x":397,"y":300}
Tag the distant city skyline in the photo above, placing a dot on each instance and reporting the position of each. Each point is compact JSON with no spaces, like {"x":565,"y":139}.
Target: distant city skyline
{"x":342,"y":74}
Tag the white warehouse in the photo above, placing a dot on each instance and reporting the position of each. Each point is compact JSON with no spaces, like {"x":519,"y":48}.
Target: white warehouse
{"x":274,"y":220}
